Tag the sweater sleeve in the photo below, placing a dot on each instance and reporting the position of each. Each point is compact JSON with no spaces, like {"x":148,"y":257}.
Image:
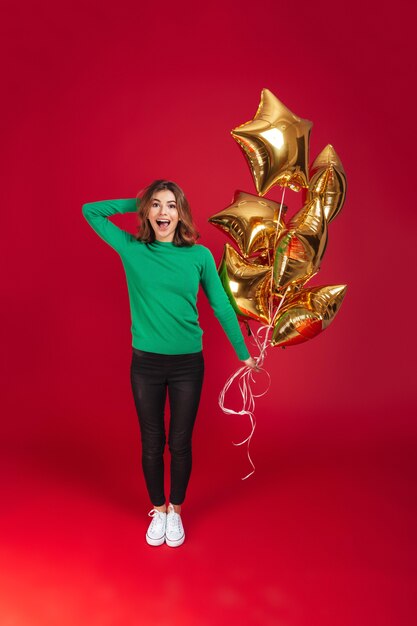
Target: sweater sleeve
{"x":96,"y":214}
{"x":220,"y":303}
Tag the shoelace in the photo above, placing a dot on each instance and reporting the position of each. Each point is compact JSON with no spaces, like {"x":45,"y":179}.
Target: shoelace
{"x":174,"y":521}
{"x":158,"y":517}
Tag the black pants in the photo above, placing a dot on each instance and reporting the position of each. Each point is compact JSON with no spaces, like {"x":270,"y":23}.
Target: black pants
{"x":151,"y":376}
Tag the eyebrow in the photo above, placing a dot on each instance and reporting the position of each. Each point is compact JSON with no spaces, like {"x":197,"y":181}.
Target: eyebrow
{"x":169,"y":201}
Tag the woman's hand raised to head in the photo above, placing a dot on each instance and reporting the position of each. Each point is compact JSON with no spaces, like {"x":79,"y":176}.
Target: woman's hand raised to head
{"x":250,"y":362}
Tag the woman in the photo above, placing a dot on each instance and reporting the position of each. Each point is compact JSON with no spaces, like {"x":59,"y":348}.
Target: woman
{"x":164,"y":268}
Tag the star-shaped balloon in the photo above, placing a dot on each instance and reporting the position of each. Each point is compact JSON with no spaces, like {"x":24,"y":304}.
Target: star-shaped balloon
{"x":248,"y":286}
{"x":276,"y":145}
{"x":252,"y":223}
{"x":328,"y":182}
{"x":307,"y":314}
{"x":301,"y":248}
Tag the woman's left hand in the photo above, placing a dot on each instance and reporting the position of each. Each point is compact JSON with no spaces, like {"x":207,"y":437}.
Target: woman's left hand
{"x":250,"y":362}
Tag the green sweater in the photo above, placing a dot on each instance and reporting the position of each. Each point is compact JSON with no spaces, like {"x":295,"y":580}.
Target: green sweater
{"x":163,"y":282}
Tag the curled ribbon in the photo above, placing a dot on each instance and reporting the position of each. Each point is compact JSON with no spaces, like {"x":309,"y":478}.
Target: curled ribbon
{"x":244,"y":375}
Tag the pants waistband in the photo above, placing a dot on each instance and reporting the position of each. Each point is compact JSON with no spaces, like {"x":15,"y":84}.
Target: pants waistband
{"x":160,"y":356}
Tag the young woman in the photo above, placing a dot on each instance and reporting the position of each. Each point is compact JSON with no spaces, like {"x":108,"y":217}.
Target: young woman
{"x":164,"y":268}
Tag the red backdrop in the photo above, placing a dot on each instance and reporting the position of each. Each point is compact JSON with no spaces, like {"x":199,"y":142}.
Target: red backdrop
{"x":99,"y":99}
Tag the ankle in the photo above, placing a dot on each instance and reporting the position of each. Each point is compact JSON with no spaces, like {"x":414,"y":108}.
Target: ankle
{"x":176,"y":507}
{"x":161,"y":508}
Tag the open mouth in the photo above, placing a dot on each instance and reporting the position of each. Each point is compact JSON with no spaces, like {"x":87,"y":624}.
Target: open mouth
{"x":163,"y":224}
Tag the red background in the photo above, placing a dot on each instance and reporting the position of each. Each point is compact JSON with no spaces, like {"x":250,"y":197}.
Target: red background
{"x":98,"y":101}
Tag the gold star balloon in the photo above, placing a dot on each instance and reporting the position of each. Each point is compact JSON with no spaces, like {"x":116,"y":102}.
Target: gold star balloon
{"x":301,"y":248}
{"x":328,"y":182}
{"x":276,"y":145}
{"x":307,"y":314}
{"x":247,"y":285}
{"x":252,"y":223}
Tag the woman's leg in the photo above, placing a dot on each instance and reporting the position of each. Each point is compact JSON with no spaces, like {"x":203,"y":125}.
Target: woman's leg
{"x":149,"y":393}
{"x":185,"y":380}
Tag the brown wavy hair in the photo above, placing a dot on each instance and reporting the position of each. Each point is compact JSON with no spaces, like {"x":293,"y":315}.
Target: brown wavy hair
{"x":185,"y":234}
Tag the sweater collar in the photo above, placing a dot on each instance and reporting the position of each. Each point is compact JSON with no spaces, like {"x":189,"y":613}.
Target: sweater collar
{"x":163,"y":244}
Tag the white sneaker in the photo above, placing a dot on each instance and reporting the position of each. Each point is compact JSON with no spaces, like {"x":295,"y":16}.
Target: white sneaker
{"x":155,"y":535}
{"x":174,"y":534}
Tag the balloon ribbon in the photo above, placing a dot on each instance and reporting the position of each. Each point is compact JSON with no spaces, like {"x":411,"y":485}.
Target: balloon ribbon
{"x":244,"y":375}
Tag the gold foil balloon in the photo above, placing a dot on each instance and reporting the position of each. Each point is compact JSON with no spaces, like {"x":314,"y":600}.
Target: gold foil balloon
{"x":252,"y":223}
{"x":247,"y":285}
{"x":328,"y":182}
{"x":276,"y":145}
{"x":307,"y":314}
{"x":300,"y":249}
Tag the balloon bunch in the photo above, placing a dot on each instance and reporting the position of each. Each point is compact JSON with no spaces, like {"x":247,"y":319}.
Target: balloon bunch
{"x":265,"y":278}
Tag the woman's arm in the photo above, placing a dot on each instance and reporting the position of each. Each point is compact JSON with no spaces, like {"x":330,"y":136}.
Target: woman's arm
{"x":223,"y":310}
{"x":96,"y":214}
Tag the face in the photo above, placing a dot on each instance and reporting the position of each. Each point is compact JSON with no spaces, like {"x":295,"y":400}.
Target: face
{"x":163,"y":215}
